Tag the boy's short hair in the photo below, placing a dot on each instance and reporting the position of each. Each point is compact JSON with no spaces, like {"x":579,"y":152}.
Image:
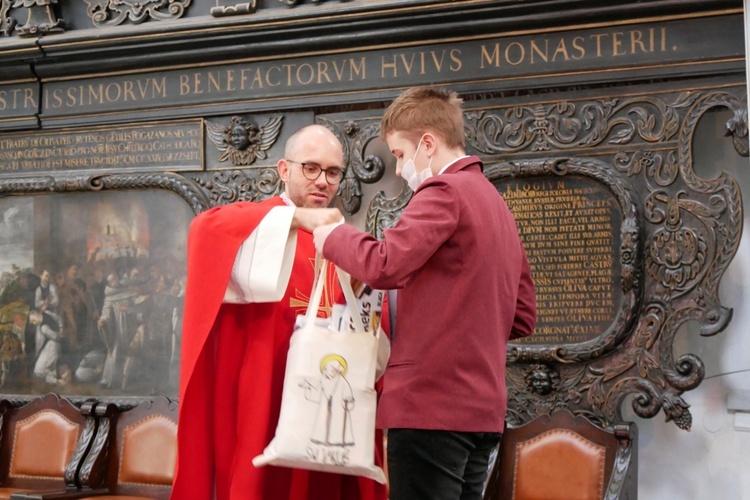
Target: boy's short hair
{"x":422,"y":109}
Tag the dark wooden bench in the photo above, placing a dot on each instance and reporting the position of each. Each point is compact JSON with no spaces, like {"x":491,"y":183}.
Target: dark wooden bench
{"x":131,"y":454}
{"x":43,"y":444}
{"x":134,"y":453}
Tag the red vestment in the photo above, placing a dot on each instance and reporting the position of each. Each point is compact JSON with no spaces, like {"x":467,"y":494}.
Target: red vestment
{"x":232,"y":372}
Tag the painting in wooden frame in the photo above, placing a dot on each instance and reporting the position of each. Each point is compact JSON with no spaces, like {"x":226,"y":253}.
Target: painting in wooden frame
{"x":91,"y":289}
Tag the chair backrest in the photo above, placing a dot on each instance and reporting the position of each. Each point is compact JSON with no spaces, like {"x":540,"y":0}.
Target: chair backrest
{"x":136,"y":451}
{"x":564,"y":457}
{"x":43,"y":443}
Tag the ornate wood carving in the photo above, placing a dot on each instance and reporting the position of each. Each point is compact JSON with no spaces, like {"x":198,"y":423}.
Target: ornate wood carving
{"x":565,"y":125}
{"x":93,"y":467}
{"x":228,"y":186}
{"x":737,"y":128}
{"x":293,"y":3}
{"x":235,"y":10}
{"x":360,"y":167}
{"x":188,"y":190}
{"x":7,"y":23}
{"x":383,"y":212}
{"x":40,"y":20}
{"x":87,"y":435}
{"x":114,"y":12}
{"x":5,"y":405}
{"x":692,"y":232}
{"x":242,"y":142}
{"x":623,"y":463}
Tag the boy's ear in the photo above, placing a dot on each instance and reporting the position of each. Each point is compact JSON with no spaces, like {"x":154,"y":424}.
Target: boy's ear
{"x":430,"y":142}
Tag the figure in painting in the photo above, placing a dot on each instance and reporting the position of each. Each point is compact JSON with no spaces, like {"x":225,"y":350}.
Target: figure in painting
{"x":49,"y":347}
{"x":75,"y":304}
{"x":117,"y":327}
{"x":91,"y":367}
{"x":160,"y":331}
{"x":47,"y":296}
{"x":20,"y":284}
{"x":97,"y":291}
{"x":12,"y":341}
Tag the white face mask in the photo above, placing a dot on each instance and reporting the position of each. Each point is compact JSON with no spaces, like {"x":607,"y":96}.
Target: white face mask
{"x":409,"y":172}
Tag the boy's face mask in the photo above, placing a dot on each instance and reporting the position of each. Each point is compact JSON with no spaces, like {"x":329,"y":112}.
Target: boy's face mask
{"x":409,"y":171}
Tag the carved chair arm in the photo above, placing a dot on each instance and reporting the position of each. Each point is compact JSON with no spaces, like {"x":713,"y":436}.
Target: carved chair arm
{"x":93,"y":472}
{"x":626,"y":435}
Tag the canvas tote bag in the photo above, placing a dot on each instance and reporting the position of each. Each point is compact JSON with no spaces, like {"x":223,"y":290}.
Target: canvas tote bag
{"x":328,"y":404}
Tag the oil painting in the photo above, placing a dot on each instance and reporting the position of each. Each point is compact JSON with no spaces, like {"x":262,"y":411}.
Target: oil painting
{"x":91,"y":293}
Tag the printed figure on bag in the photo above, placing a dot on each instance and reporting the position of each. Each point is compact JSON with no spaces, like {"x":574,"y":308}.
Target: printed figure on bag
{"x":332,"y":426}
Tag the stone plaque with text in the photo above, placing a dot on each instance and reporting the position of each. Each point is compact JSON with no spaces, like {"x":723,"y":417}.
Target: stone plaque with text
{"x":570,"y":229}
{"x":172,"y":146}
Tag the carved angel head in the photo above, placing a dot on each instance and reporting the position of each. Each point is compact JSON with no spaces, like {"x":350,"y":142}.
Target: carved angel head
{"x":541,"y":379}
{"x":241,"y":142}
{"x":241,"y":134}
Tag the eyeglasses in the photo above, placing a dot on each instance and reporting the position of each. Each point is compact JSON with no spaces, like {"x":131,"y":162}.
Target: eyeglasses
{"x":312,"y":171}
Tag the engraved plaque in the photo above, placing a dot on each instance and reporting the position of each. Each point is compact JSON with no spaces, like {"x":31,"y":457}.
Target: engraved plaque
{"x":173,"y":145}
{"x":570,"y":228}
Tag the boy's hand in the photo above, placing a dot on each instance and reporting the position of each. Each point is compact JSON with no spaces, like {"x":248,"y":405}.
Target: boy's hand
{"x":321,"y":234}
{"x":310,"y":218}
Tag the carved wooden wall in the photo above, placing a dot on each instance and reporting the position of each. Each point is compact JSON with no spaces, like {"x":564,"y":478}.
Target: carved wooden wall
{"x":585,"y":105}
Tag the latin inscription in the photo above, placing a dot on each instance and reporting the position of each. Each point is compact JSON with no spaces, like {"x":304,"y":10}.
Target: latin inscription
{"x":493,"y":59}
{"x":18,"y":100}
{"x":18,"y":97}
{"x":570,"y":231}
{"x":166,"y":145}
{"x":489,"y":59}
{"x":586,"y":50}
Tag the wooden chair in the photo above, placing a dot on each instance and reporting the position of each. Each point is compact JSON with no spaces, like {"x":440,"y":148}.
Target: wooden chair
{"x":43,"y":444}
{"x":564,"y":457}
{"x":134,"y":454}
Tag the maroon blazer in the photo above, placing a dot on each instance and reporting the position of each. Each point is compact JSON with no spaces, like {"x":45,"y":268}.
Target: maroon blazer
{"x":465,"y":289}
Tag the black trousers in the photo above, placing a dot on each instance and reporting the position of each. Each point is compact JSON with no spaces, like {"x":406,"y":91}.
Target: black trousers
{"x":438,"y":465}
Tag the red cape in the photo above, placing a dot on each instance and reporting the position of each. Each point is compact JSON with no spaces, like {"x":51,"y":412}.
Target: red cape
{"x":232,"y":373}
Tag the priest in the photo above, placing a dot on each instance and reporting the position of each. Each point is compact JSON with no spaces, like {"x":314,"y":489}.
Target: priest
{"x":250,"y":273}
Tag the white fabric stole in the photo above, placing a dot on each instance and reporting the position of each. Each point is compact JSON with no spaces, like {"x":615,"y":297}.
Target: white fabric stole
{"x":263,"y":264}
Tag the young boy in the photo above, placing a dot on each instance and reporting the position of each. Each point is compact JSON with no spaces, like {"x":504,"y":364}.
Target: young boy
{"x":464,"y":290}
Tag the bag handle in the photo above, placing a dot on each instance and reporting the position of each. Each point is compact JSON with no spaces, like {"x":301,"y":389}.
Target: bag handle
{"x":351,"y":300}
{"x":314,"y":305}
{"x":317,"y":293}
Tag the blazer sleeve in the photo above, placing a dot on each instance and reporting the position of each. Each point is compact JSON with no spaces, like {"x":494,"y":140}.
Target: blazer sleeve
{"x":423,"y":227}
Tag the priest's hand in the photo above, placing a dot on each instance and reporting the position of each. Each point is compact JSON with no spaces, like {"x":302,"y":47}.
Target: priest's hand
{"x":321,"y":234}
{"x":310,"y":218}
